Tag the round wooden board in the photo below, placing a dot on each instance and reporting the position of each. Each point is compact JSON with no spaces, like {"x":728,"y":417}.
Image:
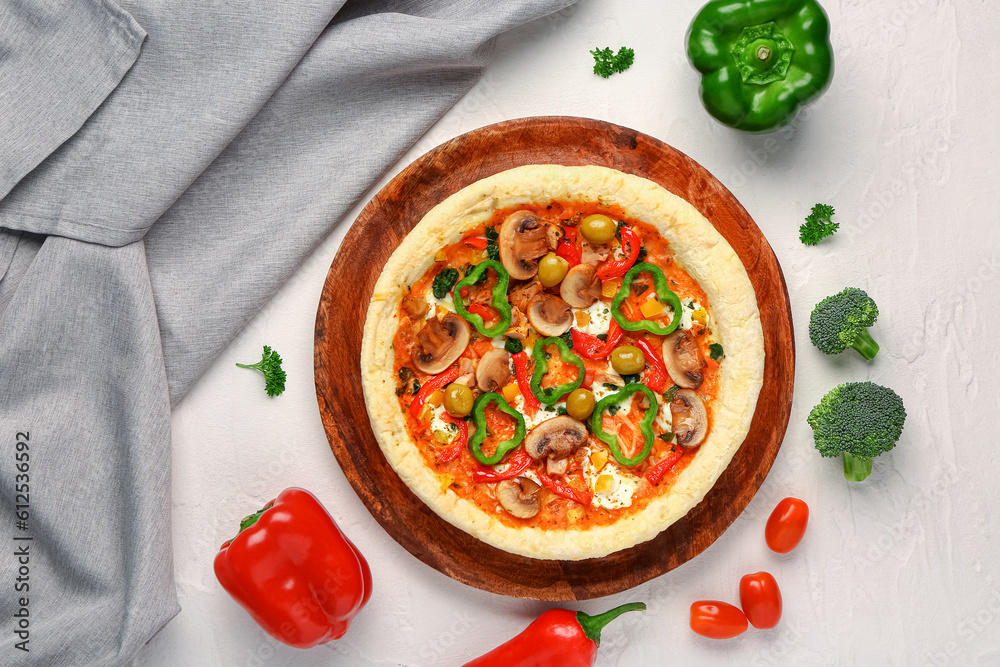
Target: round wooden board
{"x":344,"y":303}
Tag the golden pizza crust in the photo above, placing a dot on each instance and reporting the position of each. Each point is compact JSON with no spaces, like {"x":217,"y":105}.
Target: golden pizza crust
{"x":699,"y":249}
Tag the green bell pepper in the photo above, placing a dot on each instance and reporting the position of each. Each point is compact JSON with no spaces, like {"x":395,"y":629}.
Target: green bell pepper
{"x":479,"y":419}
{"x":664,"y":294}
{"x":645,"y":426}
{"x":553,"y":394}
{"x":760,"y":60}
{"x":498,"y":298}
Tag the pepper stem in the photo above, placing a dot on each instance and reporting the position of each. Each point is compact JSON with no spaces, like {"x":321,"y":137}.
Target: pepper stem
{"x":592,"y":625}
{"x":763,"y":54}
{"x":252,"y":519}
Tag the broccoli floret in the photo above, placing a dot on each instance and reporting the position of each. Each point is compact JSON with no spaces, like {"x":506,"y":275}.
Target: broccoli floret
{"x":840,"y":321}
{"x":858,"y":420}
{"x":818,"y":225}
{"x":270,"y":366}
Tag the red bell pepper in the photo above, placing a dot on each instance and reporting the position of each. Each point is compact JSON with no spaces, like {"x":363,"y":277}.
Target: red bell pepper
{"x":294,"y":571}
{"x":439,"y":381}
{"x":459,"y":442}
{"x":656,"y":378}
{"x":616,"y":268}
{"x":519,"y":462}
{"x":557,"y":637}
{"x":478,"y":242}
{"x":531,"y":402}
{"x":591,"y":347}
{"x":567,"y":248}
{"x":488,"y":313}
{"x":564,"y":490}
{"x":656,"y":473}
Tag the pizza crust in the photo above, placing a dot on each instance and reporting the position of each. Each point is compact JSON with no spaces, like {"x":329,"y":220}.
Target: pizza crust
{"x":700,"y":250}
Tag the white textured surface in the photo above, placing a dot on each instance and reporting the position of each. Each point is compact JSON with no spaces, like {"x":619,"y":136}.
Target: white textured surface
{"x":899,"y":569}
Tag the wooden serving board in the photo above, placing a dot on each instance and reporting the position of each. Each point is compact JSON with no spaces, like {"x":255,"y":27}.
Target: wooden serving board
{"x":341,"y":315}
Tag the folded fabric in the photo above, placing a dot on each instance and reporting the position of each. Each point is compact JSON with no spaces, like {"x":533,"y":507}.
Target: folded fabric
{"x":135,"y":203}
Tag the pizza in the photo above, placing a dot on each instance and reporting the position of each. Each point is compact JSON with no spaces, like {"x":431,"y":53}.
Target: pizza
{"x":562,"y":361}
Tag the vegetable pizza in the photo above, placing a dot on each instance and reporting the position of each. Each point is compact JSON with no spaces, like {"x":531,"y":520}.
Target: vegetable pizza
{"x":562,"y":361}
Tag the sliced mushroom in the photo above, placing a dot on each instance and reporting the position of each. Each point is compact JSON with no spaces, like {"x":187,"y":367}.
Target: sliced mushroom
{"x":556,"y":438}
{"x":519,"y":497}
{"x":523,"y":239}
{"x":440,"y":343}
{"x":581,"y":287}
{"x":518,"y":324}
{"x":550,"y":315}
{"x":493,"y":371}
{"x":689,"y":418}
{"x":683,"y":359}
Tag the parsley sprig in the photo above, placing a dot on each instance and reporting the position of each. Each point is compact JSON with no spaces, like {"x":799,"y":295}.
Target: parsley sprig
{"x":270,"y":366}
{"x":607,"y":62}
{"x":818,"y":225}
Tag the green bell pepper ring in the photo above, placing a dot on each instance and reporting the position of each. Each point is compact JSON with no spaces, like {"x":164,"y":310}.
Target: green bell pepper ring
{"x":760,"y":60}
{"x":663,"y":293}
{"x":553,"y":394}
{"x":479,"y":418}
{"x":498,"y":300}
{"x":645,"y":426}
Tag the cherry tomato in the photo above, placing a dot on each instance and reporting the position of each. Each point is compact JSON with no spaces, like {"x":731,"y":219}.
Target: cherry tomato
{"x":717,"y":620}
{"x":761,"y":600}
{"x":787,"y":525}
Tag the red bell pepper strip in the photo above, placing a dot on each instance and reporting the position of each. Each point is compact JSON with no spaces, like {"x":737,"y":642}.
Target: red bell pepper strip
{"x":518,"y":462}
{"x":531,"y":402}
{"x":656,"y":473}
{"x":477,"y":242}
{"x":488,"y":313}
{"x":294,"y":571}
{"x":592,"y":347}
{"x":564,"y":490}
{"x":616,"y":268}
{"x":439,"y":381}
{"x":557,"y":637}
{"x":567,"y":248}
{"x":656,"y":378}
{"x":459,"y":442}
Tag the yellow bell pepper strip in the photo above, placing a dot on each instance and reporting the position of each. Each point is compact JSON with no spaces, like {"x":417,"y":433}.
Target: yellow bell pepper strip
{"x":479,"y":418}
{"x":498,"y":299}
{"x":553,"y":394}
{"x":663,"y":293}
{"x":761,"y":60}
{"x":645,"y":426}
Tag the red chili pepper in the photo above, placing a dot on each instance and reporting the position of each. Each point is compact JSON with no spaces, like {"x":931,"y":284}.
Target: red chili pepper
{"x":557,"y":637}
{"x":518,"y":462}
{"x":656,"y":379}
{"x":488,"y":313}
{"x":427,"y":388}
{"x":567,"y":249}
{"x":531,"y":402}
{"x":459,"y":442}
{"x":477,"y":242}
{"x":656,"y":473}
{"x":294,"y":571}
{"x":564,"y":490}
{"x":616,"y":268}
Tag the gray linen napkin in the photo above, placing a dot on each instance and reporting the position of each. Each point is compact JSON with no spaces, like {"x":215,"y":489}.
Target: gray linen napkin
{"x":149,"y":151}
